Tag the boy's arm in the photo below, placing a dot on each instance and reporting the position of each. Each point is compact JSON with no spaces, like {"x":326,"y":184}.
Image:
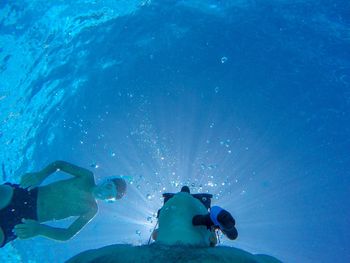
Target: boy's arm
{"x":63,"y":234}
{"x":65,"y":167}
{"x":32,"y":180}
{"x":30,"y":228}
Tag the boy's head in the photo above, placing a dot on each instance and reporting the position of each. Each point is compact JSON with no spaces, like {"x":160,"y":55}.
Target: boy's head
{"x":110,"y":189}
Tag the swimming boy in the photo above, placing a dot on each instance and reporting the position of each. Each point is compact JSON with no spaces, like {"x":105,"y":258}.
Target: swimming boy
{"x":24,"y":207}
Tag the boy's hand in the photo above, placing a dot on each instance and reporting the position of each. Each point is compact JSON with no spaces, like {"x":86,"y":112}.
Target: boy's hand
{"x":31,"y":180}
{"x":29,"y":228}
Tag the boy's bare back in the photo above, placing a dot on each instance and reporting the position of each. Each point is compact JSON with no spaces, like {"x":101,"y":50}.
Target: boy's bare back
{"x":65,"y":198}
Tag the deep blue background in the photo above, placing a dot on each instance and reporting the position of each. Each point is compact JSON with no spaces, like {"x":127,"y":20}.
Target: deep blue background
{"x":249,"y":102}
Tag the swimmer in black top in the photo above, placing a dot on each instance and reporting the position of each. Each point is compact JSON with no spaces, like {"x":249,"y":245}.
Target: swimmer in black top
{"x":216,"y":219}
{"x":24,"y":207}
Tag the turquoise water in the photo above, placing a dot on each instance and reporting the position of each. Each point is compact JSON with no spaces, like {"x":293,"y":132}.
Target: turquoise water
{"x":247,"y":100}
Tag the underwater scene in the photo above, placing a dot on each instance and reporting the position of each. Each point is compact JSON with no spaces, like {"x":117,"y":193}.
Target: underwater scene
{"x":174,"y":131}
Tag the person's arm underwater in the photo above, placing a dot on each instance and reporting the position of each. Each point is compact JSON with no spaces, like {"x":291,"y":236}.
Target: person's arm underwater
{"x":31,"y":228}
{"x":213,"y":239}
{"x":32,"y":180}
{"x":155,"y":234}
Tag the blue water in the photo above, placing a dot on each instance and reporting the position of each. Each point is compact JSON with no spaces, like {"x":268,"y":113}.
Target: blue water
{"x":247,"y":100}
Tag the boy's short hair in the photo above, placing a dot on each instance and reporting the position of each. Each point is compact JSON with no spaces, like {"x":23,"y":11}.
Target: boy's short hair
{"x":120,"y":184}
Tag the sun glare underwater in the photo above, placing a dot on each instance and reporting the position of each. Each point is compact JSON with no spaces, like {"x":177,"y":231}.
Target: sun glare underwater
{"x":246,"y":100}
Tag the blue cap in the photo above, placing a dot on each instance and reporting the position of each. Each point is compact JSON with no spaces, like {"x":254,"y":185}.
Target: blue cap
{"x":214,"y":212}
{"x":225,"y":221}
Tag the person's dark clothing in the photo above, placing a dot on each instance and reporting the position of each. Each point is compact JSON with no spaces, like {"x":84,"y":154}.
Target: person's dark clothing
{"x":22,"y":205}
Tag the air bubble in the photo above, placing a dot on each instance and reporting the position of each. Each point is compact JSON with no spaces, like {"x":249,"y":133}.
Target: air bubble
{"x":224,"y":60}
{"x":94,"y":165}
